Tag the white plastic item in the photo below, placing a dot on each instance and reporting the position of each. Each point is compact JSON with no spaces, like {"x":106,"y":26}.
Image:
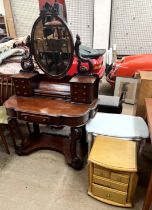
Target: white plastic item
{"x":118,"y":125}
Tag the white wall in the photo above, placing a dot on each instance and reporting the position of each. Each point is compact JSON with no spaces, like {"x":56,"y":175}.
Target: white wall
{"x":2,"y":11}
{"x":80,"y":19}
{"x":102,"y":10}
{"x":25,"y":13}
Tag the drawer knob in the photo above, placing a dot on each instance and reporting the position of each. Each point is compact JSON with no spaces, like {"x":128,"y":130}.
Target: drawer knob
{"x":108,"y":195}
{"x":84,"y":93}
{"x":43,"y":120}
{"x":75,"y":92}
{"x":84,"y":86}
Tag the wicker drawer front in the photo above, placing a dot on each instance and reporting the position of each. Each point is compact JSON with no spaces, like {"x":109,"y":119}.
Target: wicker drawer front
{"x":110,"y":183}
{"x":120,"y":177}
{"x":99,"y":171}
{"x":109,"y":194}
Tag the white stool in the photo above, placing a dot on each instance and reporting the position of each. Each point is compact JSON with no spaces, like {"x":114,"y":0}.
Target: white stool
{"x":117,"y":125}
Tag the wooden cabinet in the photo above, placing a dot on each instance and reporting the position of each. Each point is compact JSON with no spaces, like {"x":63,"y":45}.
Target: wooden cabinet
{"x":24,"y":83}
{"x":145,"y":91}
{"x":148,"y":198}
{"x":112,"y":171}
{"x":3,"y":27}
{"x":84,"y":89}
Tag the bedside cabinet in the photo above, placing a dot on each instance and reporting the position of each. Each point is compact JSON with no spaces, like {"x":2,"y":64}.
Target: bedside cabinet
{"x":112,"y":167}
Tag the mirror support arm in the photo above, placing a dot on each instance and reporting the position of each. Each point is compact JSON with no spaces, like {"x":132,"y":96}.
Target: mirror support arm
{"x":27,"y":61}
{"x":80,"y":69}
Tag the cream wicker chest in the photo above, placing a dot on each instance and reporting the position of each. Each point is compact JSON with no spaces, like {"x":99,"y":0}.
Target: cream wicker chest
{"x":112,"y":171}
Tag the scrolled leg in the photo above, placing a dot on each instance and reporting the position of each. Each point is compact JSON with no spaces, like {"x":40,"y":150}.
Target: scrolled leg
{"x":75,"y":154}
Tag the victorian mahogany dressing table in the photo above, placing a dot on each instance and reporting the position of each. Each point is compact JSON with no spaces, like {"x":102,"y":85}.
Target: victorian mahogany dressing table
{"x":52,"y":98}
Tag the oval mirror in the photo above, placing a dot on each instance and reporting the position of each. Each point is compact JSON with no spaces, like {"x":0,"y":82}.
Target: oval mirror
{"x":52,"y":45}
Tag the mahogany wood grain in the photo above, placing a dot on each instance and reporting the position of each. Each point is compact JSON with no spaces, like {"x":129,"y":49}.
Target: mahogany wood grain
{"x":42,"y":110}
{"x":50,"y":111}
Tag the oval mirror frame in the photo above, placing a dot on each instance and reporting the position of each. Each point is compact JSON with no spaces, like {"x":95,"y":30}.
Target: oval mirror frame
{"x":53,"y":50}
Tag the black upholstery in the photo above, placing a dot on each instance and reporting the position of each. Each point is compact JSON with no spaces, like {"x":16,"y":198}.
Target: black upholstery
{"x":110,"y":104}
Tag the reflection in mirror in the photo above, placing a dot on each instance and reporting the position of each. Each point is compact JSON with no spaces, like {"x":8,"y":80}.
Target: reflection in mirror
{"x":52,"y":45}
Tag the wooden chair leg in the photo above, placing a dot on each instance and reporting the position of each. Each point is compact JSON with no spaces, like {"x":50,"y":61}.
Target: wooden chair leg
{"x":12,"y":134}
{"x":13,"y":124}
{"x":4,"y":140}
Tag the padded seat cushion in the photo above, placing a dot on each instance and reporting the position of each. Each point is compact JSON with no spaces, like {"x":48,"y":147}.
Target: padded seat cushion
{"x":88,"y":52}
{"x":118,"y":125}
{"x":3,"y":115}
{"x":109,"y":100}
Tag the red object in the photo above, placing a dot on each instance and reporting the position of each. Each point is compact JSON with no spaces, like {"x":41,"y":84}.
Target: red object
{"x":128,"y":66}
{"x":98,"y":67}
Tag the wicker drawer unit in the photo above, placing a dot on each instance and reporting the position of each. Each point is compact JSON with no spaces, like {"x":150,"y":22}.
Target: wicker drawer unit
{"x":112,"y":171}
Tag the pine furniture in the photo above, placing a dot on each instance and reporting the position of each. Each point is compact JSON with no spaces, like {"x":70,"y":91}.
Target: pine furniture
{"x":112,"y":169}
{"x":145,"y":91}
{"x":148,"y":198}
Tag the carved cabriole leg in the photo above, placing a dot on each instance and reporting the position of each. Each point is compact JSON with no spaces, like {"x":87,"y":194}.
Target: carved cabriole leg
{"x":71,"y":155}
{"x":76,"y":147}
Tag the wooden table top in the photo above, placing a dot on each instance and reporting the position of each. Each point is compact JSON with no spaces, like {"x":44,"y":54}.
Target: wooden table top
{"x":148,"y":102}
{"x":51,"y":107}
{"x":114,"y":153}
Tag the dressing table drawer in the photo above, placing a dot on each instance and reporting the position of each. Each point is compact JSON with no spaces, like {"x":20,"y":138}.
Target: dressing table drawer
{"x":110,"y":183}
{"x":99,"y":171}
{"x":120,"y":177}
{"x":33,"y":118}
{"x":109,"y":194}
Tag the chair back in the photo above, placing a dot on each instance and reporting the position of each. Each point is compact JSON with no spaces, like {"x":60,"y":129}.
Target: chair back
{"x":6,"y":87}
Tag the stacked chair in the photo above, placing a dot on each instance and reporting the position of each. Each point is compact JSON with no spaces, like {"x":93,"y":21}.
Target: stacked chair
{"x":6,"y":90}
